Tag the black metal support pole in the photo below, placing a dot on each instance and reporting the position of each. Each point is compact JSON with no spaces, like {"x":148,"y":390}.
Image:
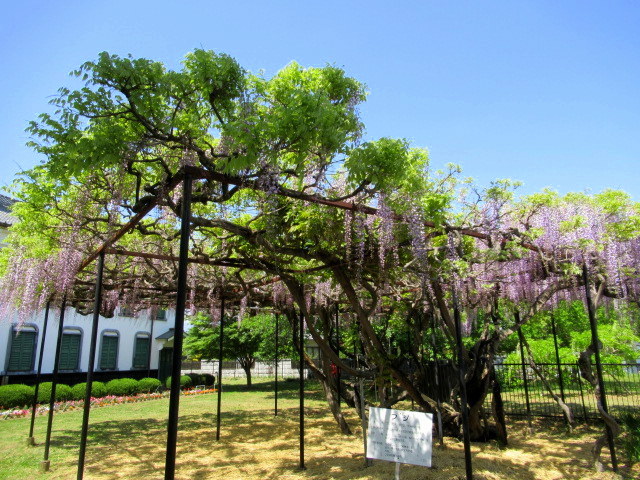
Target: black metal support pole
{"x":301,"y":393}
{"x":97,"y":302}
{"x":339,"y":373}
{"x":463,"y":389}
{"x":584,"y":406}
{"x":363,"y":420}
{"x":595,"y":341}
{"x":150,"y":345}
{"x":524,"y":373}
{"x":219,"y":408}
{"x":558,"y":366}
{"x":275,"y":404}
{"x":363,"y":404}
{"x":437,"y":378}
{"x":45,"y":464}
{"x":178,"y":332}
{"x":31,"y":440}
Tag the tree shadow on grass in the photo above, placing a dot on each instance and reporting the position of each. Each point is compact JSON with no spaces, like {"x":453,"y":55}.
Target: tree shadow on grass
{"x":257,"y":445}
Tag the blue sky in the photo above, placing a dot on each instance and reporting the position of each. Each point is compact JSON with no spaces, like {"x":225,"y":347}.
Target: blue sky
{"x":544,"y":92}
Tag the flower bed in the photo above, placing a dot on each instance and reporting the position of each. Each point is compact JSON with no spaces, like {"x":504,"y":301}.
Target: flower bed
{"x":198,"y":392}
{"x":106,"y":401}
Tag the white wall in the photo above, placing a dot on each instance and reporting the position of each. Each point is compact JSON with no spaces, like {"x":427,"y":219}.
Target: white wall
{"x":260,"y":369}
{"x":127,"y":328}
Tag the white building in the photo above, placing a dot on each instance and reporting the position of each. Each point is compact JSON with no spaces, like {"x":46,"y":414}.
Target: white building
{"x":127,"y":346}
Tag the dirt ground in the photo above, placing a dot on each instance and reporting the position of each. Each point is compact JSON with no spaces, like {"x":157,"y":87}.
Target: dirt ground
{"x":260,"y":446}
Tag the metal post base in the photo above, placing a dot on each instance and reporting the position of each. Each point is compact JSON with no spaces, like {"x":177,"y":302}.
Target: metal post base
{"x":31,"y":441}
{"x":45,"y":465}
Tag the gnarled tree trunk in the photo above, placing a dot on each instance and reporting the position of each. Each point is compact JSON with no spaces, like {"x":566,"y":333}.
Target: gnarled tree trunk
{"x":497,"y":408}
{"x":586,"y":370}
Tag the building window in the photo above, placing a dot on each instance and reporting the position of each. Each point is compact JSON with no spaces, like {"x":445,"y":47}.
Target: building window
{"x":126,"y":312}
{"x":109,"y":350}
{"x":313,"y":351}
{"x":161,"y":314}
{"x":70,"y":349}
{"x":23,"y":349}
{"x":141,"y":350}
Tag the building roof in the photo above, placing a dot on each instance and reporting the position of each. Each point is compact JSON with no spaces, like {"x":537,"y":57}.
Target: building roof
{"x":168,"y":335}
{"x":6,"y":219}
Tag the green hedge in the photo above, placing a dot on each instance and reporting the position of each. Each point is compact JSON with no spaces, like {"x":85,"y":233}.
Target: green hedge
{"x":185,"y":381}
{"x":149,"y":384}
{"x":123,"y":386}
{"x":202,"y":379}
{"x":98,"y":389}
{"x":208,"y":379}
{"x":197,"y":378}
{"x":12,"y":396}
{"x":63,"y":392}
{"x":18,"y":395}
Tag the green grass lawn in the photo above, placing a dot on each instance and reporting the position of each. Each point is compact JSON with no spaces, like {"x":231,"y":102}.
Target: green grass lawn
{"x":114,"y":426}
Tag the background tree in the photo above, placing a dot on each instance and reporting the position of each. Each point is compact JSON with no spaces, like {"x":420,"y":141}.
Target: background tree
{"x":615,"y":329}
{"x":245,"y":341}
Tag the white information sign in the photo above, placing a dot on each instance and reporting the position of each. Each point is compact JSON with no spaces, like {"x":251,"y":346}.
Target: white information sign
{"x":399,"y":436}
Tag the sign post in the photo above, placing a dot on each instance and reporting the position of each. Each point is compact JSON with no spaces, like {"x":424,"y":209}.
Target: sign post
{"x":400,"y":436}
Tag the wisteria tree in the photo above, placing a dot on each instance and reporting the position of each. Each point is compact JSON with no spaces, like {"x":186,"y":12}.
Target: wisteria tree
{"x":292,"y":211}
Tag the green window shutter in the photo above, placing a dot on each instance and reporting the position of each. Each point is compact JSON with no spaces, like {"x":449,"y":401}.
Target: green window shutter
{"x":109,"y":355}
{"x":23,"y":346}
{"x":69,"y":351}
{"x":141,"y":352}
